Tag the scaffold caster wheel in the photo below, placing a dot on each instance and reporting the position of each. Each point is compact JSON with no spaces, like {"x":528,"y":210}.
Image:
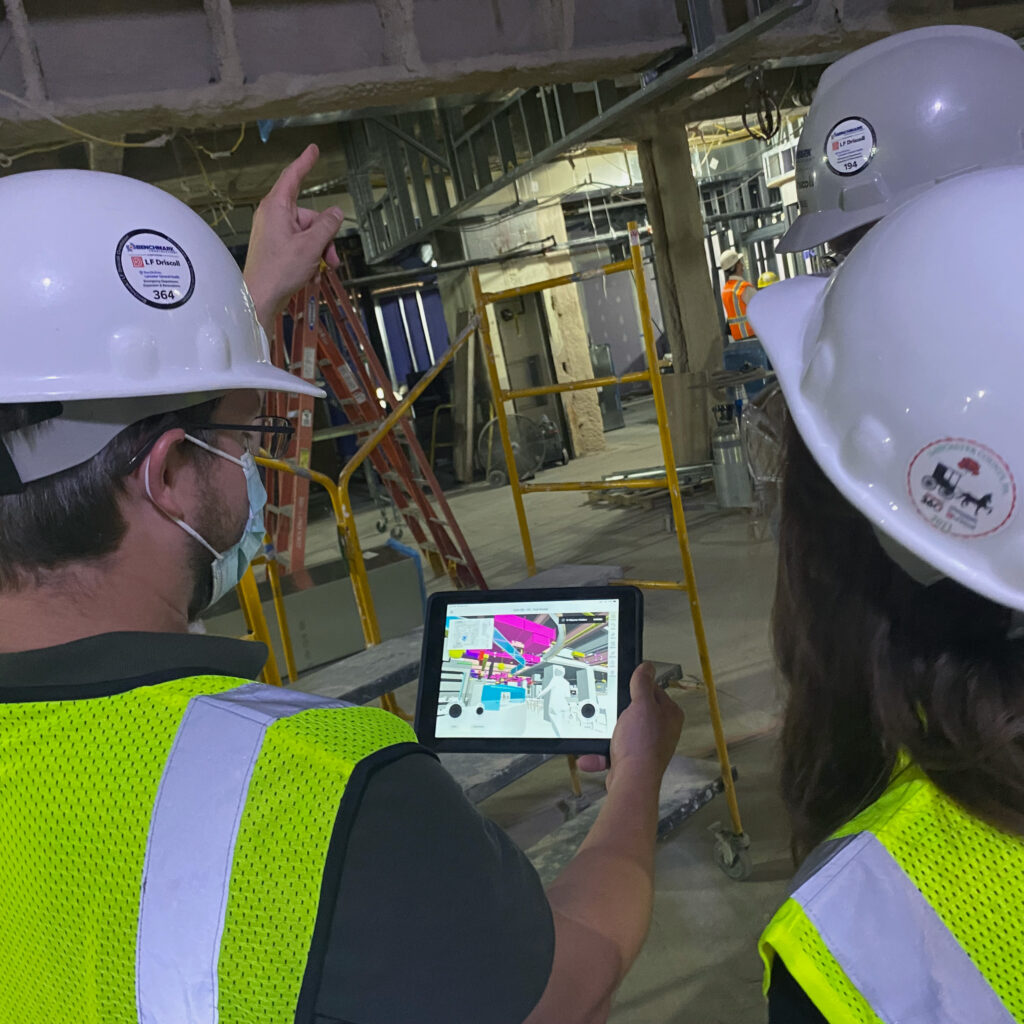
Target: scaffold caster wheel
{"x":396,"y":532}
{"x":732,"y":853}
{"x":382,"y":526}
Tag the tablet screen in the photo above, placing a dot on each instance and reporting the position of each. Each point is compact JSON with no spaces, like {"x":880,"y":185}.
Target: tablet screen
{"x":544,"y":669}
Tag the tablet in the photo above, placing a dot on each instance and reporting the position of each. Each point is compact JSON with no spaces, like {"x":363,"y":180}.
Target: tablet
{"x":527,"y":671}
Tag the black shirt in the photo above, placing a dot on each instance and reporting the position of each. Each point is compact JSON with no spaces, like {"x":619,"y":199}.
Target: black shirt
{"x":432,"y":915}
{"x":788,"y":1003}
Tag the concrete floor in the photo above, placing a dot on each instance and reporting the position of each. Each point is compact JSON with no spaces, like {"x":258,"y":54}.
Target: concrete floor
{"x":700,"y":963}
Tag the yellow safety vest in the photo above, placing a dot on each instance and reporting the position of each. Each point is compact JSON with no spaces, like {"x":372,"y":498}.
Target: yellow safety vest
{"x":163,"y":849}
{"x":912,"y":913}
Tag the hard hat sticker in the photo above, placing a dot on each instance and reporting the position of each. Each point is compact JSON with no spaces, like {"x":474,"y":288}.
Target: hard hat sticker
{"x":850,"y":146}
{"x":155,"y":269}
{"x":962,"y":488}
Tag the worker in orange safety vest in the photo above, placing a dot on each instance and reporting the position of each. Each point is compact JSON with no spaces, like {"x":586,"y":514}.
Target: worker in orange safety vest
{"x":736,"y":293}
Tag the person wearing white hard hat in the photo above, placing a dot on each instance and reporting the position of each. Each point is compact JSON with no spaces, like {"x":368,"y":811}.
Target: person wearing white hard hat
{"x":897,"y":620}
{"x":896,"y":117}
{"x":736,"y":293}
{"x":181,"y":844}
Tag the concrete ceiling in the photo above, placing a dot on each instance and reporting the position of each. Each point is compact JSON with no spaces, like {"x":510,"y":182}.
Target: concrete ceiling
{"x":191,"y":73}
{"x":116,"y":66}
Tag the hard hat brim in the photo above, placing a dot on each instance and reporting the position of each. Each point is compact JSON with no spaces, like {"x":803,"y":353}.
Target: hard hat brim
{"x":812,"y":229}
{"x":779,"y":316}
{"x":259,"y":377}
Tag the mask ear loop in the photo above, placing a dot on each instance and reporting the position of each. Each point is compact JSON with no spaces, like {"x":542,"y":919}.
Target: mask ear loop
{"x":174,"y":519}
{"x":216,"y":451}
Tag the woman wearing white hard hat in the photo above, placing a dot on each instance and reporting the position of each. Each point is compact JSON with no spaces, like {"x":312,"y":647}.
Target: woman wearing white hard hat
{"x":900,"y":581}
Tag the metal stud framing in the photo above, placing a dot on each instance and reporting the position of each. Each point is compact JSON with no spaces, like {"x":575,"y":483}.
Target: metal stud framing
{"x":435,"y":164}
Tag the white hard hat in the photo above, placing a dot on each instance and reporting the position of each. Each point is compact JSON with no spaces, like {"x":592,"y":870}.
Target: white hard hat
{"x":912,"y":408}
{"x":899,"y":115}
{"x":118,"y":302}
{"x":729,"y":259}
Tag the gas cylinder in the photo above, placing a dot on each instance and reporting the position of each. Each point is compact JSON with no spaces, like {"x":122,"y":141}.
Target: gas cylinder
{"x":728,"y":463}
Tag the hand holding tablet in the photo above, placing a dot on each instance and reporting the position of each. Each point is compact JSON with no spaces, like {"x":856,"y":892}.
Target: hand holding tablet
{"x":531,"y":671}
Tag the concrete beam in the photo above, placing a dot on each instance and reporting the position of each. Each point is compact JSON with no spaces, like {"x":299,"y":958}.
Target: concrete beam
{"x":401,"y":47}
{"x":220,"y":17}
{"x":846,"y":25}
{"x":185,"y":66}
{"x":31,"y":69}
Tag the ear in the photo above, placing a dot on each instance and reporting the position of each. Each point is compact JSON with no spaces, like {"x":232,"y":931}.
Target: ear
{"x":165,"y":469}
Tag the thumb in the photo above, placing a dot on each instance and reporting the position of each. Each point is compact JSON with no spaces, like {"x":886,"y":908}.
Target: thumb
{"x":324,"y":228}
{"x":642,"y":682}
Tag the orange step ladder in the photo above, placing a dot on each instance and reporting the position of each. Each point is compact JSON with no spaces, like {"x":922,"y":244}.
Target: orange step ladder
{"x":328,"y":336}
{"x":288,"y":501}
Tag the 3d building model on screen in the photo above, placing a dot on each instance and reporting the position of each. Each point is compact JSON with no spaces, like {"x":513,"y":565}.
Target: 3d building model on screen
{"x":542,"y":676}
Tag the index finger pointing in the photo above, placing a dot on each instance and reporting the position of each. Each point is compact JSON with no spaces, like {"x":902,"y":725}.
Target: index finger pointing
{"x":286,"y":188}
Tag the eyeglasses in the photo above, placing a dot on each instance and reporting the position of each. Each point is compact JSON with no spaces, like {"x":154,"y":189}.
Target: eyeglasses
{"x":272,"y":434}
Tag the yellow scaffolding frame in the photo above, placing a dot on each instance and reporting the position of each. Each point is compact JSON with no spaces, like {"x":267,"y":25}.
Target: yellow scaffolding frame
{"x":670,"y":480}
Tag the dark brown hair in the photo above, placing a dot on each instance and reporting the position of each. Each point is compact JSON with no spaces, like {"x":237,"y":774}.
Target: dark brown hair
{"x":75,"y":515}
{"x":878,"y":664}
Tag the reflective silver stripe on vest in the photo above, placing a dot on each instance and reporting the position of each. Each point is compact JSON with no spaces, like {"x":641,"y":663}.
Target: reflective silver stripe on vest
{"x":890,"y":942}
{"x":191,"y":845}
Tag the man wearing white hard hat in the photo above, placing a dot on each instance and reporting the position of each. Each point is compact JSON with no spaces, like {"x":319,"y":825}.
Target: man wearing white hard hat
{"x":892,"y":119}
{"x":180,"y":844}
{"x":897,"y":620}
{"x":736,"y":293}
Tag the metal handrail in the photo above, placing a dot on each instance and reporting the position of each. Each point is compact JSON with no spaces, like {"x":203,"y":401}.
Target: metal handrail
{"x":273,"y":569}
{"x":256,"y":622}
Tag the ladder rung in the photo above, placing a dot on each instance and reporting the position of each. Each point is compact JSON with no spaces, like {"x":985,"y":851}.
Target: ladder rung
{"x":391,"y":474}
{"x":430,"y":519}
{"x":429,"y":546}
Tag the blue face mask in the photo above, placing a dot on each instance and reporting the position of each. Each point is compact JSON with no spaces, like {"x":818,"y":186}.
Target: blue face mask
{"x":228,"y":567}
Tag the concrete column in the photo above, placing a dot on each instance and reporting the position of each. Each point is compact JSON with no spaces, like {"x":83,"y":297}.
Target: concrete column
{"x":570,"y":346}
{"x":688,"y":300}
